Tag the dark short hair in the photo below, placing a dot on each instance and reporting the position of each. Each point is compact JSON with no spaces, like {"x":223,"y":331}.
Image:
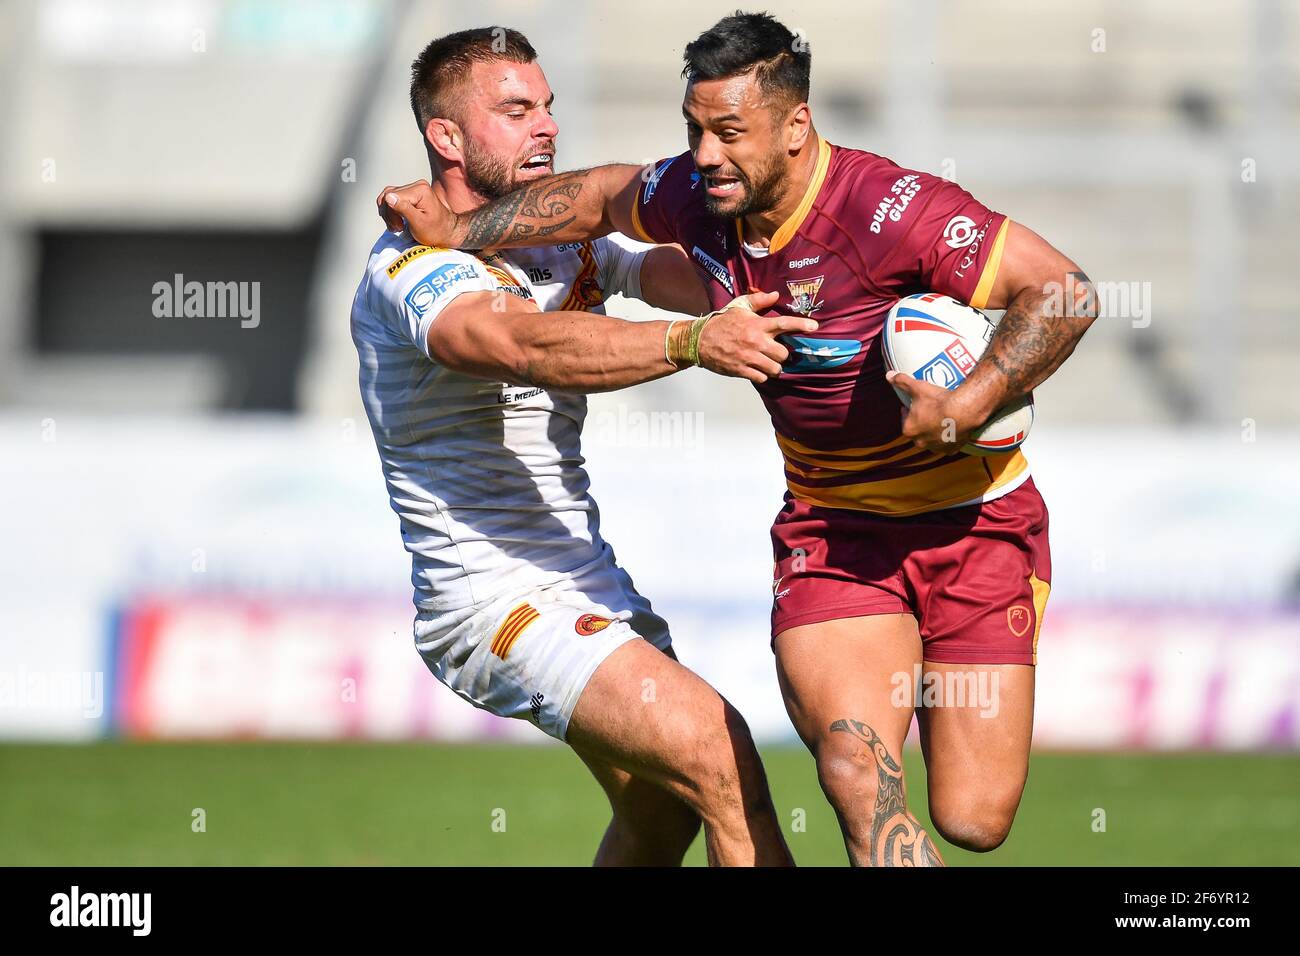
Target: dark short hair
{"x":445,"y":63}
{"x":735,"y":45}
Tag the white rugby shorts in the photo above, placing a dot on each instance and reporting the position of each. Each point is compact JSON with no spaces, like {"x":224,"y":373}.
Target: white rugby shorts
{"x":529,"y":655}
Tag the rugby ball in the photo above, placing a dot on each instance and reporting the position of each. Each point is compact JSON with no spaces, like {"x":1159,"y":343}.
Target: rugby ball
{"x":937,"y":339}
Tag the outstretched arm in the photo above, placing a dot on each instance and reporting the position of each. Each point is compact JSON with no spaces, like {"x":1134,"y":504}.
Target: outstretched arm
{"x":567,"y":207}
{"x":496,"y":335}
{"x":1049,"y":304}
{"x":669,"y":280}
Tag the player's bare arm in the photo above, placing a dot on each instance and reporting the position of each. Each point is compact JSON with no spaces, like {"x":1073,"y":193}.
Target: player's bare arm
{"x":669,"y":280}
{"x":567,"y":207}
{"x":1037,"y":333}
{"x":495,"y":335}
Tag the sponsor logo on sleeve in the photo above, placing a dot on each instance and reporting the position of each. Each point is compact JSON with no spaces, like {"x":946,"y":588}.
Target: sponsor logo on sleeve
{"x":959,"y":232}
{"x":407,"y":257}
{"x":437,"y":284}
{"x":714,"y":268}
{"x":652,"y":184}
{"x":972,"y":242}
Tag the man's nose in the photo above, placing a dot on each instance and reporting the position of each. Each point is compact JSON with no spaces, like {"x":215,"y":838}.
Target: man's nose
{"x":708,"y":154}
{"x":546,"y":127}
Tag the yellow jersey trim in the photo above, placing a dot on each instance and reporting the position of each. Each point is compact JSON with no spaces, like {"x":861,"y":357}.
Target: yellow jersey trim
{"x":990,"y":274}
{"x":952,"y":484}
{"x":1041,"y":590}
{"x":636,"y":215}
{"x":786,"y":231}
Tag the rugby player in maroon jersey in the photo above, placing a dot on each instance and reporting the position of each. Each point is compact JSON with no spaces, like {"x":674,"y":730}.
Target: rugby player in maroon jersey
{"x":893,"y":549}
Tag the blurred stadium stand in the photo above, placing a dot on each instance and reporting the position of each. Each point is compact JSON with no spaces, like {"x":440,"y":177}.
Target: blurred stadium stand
{"x":220,"y":139}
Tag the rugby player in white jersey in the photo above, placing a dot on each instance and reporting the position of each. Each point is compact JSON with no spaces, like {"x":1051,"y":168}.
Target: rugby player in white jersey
{"x":473,"y":371}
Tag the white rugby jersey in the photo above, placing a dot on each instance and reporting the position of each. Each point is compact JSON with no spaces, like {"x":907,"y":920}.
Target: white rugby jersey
{"x":486,"y":477}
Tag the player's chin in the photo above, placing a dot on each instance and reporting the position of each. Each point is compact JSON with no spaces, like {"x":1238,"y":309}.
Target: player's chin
{"x":727,"y":207}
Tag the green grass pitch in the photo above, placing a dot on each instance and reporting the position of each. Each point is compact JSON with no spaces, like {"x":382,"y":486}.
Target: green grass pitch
{"x":419,"y":804}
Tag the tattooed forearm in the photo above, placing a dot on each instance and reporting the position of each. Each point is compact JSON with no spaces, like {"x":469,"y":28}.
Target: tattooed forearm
{"x":531,"y":215}
{"x":1039,"y":331}
{"x":897,"y":839}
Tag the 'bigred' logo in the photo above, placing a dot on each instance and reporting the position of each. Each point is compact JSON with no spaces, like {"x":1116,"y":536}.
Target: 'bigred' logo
{"x":1018,"y":619}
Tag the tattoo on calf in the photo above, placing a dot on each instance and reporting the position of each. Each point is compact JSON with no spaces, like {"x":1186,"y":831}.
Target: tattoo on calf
{"x":897,"y":839}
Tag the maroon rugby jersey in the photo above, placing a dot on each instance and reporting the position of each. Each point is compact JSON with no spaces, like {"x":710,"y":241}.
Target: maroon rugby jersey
{"x":865,"y":234}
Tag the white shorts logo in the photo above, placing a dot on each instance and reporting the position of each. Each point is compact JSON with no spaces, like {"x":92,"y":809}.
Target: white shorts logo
{"x":960,"y":231}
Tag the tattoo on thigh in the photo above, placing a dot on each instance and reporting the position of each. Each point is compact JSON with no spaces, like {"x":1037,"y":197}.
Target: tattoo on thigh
{"x":897,"y":838}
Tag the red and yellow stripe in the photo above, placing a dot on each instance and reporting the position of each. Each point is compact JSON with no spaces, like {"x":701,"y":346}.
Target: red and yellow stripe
{"x":906,"y":480}
{"x":587,"y":274}
{"x":516,"y":623}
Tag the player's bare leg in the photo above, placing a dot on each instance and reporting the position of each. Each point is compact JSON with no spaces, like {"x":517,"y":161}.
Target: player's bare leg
{"x":649,"y":827}
{"x":648,"y":714}
{"x":839,"y":683}
{"x":977,"y":755}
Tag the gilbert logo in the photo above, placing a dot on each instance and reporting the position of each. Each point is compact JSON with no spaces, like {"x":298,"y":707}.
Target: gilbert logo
{"x":1018,"y":619}
{"x":102,"y":909}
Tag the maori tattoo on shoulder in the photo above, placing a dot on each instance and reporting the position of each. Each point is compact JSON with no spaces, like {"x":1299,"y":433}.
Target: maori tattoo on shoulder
{"x":532,"y":212}
{"x":897,"y":839}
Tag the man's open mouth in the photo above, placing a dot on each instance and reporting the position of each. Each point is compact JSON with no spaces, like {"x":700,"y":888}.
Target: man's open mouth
{"x":721,"y":185}
{"x":538,"y":161}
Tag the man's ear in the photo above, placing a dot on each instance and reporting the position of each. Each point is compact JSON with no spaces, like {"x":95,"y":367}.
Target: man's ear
{"x":445,"y":140}
{"x":798,"y":127}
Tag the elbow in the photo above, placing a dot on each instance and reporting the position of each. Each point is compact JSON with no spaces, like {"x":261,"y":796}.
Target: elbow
{"x":1080,"y":296}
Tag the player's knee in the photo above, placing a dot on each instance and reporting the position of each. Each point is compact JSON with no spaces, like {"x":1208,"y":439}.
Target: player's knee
{"x":723,"y":762}
{"x":848,"y":776}
{"x":977,"y":826}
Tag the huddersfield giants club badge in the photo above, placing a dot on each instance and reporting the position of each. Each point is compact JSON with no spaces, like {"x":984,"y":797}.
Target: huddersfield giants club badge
{"x":803,"y":294}
{"x":589,"y":624}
